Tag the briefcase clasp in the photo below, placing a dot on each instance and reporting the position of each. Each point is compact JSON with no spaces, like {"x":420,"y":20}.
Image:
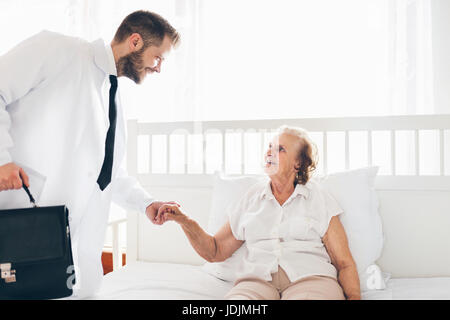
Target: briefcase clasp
{"x":6,"y":272}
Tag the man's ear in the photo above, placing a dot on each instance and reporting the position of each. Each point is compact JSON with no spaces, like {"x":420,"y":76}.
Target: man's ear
{"x":135,"y":42}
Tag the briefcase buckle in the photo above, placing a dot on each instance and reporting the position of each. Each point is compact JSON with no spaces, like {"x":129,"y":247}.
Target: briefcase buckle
{"x":6,"y":273}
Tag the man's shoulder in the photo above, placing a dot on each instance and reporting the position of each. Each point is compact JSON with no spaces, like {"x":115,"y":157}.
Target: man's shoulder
{"x":56,"y":36}
{"x":60,"y":41}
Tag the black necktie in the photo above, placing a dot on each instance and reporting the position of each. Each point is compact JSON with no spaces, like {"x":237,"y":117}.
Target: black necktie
{"x":105,"y":174}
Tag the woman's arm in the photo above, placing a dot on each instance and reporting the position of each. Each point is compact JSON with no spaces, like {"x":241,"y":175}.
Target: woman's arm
{"x":212,"y":248}
{"x":336,"y":243}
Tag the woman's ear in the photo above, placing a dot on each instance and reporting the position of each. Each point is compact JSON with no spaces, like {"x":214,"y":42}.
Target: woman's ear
{"x":298,"y":162}
{"x":297,"y":166}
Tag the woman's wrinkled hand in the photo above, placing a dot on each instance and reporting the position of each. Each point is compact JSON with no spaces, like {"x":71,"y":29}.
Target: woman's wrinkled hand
{"x":170,"y":212}
{"x":153,"y":209}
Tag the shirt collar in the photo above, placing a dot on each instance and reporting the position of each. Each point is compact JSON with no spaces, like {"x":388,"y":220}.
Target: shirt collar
{"x":300,"y":189}
{"x":104,"y":57}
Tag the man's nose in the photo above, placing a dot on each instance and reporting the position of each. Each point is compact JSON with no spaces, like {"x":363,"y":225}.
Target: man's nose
{"x":158,"y":67}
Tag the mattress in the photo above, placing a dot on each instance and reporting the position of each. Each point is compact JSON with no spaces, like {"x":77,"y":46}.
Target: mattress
{"x":168,"y":281}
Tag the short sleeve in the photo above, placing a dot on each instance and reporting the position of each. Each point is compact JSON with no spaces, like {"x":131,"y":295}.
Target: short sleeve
{"x":332,"y":208}
{"x":235,"y":213}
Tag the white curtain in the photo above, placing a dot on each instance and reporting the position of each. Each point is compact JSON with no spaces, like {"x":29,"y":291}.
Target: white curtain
{"x":275,"y":59}
{"x":410,"y":52}
{"x":252,"y":59}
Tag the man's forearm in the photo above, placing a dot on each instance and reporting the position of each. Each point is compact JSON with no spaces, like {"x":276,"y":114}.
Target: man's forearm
{"x":201,"y":241}
{"x":349,"y":280}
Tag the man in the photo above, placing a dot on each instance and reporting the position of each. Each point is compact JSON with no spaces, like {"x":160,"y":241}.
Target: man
{"x":60,"y":115}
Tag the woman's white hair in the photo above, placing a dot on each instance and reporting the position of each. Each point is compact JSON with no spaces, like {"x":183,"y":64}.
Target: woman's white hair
{"x":295,"y":131}
{"x":307,"y":154}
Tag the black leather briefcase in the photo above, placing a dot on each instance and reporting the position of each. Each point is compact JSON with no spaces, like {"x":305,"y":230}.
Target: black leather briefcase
{"x":35,"y":253}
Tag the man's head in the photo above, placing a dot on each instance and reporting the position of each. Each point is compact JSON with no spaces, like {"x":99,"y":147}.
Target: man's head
{"x":141,"y":43}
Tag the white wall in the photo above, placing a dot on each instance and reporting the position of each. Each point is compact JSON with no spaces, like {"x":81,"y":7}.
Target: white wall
{"x":441,"y":54}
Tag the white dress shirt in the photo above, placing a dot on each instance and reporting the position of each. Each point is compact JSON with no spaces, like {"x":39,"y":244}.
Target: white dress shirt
{"x":288,"y":235}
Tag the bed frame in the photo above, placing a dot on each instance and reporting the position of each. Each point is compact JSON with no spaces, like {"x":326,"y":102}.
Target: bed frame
{"x":415,"y":208}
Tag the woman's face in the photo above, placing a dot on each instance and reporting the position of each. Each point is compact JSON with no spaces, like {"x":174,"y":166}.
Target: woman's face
{"x":281,"y":158}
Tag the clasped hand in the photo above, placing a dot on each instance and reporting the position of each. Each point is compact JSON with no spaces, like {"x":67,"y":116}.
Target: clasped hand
{"x":159,"y":212}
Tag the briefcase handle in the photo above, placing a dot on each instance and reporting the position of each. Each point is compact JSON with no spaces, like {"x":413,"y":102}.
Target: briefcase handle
{"x":33,"y":202}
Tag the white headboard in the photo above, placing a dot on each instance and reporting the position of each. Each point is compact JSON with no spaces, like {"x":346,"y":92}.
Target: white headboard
{"x":415,"y":208}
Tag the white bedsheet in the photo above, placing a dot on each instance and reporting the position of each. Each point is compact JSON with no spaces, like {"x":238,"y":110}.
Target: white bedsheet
{"x":144,"y":280}
{"x":412,"y":289}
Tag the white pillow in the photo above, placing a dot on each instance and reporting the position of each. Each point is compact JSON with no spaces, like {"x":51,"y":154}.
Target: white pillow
{"x":227,"y":190}
{"x":353,"y":190}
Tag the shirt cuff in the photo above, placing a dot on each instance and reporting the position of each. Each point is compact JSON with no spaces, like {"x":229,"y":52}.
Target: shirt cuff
{"x":144,"y":203}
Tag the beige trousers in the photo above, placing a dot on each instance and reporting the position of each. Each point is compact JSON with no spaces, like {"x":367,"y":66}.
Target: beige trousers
{"x":310,"y":288}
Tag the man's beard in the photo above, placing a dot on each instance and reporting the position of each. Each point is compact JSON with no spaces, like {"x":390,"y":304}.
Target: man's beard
{"x":131,"y":66}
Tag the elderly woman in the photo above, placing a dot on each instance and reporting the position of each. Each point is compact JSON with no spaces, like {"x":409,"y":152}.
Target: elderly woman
{"x":297,"y":246}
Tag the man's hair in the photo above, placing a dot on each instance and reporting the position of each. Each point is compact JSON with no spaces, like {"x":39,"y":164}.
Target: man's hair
{"x":151,"y":27}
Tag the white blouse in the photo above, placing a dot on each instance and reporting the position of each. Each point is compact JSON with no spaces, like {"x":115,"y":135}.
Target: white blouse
{"x":289,"y":235}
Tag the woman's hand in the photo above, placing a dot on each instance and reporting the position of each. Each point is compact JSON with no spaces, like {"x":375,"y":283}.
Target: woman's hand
{"x":170,"y":212}
{"x":153,"y":209}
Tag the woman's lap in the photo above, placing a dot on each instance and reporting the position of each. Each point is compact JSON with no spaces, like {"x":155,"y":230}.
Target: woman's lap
{"x":253,"y":289}
{"x":310,"y":288}
{"x":314,"y":288}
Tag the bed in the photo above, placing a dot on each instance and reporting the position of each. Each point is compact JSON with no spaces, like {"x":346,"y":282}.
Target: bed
{"x":170,"y":281}
{"x":414,"y":207}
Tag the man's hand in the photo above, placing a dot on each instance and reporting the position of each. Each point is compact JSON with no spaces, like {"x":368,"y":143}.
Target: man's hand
{"x":11,"y":176}
{"x":153,"y":210}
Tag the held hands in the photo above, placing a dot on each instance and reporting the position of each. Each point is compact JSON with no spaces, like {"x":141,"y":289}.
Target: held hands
{"x":11,"y":176}
{"x":160,"y":212}
{"x":155,"y":211}
{"x":171,"y":212}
